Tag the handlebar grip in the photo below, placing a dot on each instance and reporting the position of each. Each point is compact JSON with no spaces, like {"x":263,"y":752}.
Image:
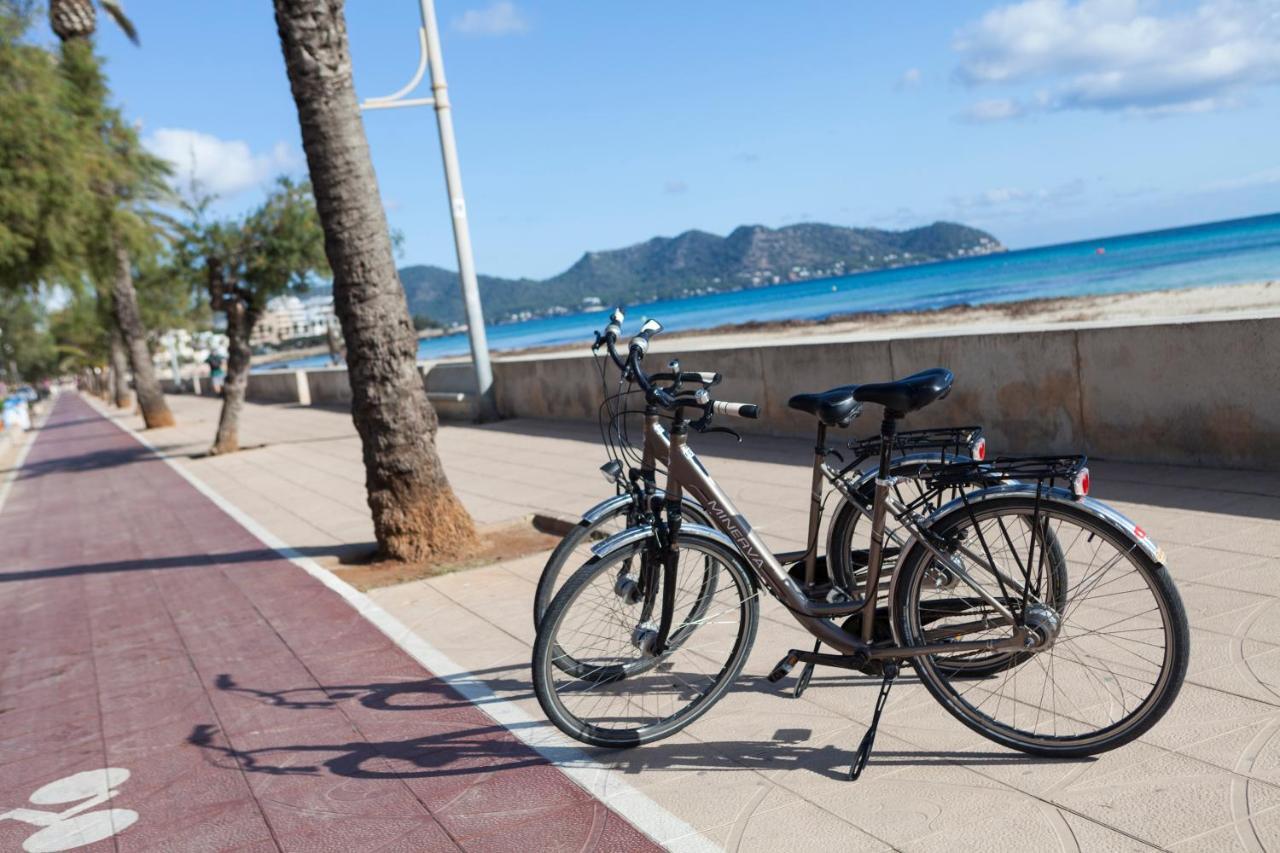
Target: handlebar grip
{"x":739,"y":410}
{"x":614,"y":329}
{"x":640,"y":342}
{"x":702,"y":378}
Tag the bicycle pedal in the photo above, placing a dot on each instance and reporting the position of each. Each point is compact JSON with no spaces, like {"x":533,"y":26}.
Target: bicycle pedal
{"x":803,"y":681}
{"x":784,"y":667}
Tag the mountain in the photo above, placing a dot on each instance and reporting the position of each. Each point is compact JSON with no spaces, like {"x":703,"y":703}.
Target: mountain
{"x":695,"y":262}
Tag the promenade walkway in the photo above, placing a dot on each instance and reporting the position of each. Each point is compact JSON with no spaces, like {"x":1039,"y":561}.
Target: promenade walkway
{"x":169,"y":682}
{"x":762,"y":771}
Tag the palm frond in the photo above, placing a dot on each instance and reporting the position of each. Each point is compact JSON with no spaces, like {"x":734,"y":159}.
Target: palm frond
{"x":116,"y":11}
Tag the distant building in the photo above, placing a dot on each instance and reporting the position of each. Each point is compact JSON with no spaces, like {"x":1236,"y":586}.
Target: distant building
{"x":289,"y":317}
{"x":191,"y":348}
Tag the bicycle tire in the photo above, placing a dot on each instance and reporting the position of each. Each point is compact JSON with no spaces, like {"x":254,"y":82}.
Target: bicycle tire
{"x":1159,"y":585}
{"x":597,"y":574}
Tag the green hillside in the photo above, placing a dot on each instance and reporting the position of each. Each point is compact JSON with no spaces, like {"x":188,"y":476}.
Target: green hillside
{"x":695,"y":262}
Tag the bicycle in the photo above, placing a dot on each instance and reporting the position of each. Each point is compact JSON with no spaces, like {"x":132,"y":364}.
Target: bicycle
{"x":1010,"y":576}
{"x":637,"y":493}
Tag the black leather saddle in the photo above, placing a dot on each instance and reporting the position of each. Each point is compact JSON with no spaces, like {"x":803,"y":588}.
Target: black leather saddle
{"x":836,"y":407}
{"x":839,"y":406}
{"x":907,"y":395}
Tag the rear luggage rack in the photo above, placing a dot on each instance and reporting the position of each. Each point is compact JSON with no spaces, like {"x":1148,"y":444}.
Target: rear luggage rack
{"x":1044,"y":470}
{"x":946,"y":442}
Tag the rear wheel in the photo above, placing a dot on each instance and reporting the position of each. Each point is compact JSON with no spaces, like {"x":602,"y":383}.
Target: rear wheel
{"x":850,"y":539}
{"x":1118,"y":641}
{"x":615,"y":694}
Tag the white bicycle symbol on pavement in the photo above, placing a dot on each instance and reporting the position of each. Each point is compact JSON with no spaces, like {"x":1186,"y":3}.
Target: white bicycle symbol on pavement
{"x":76,"y":826}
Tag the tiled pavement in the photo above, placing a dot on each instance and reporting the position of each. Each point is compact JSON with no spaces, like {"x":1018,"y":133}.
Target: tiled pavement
{"x":762,"y":771}
{"x":235,"y":701}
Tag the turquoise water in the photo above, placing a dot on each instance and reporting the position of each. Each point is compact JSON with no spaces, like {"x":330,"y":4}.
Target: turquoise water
{"x":1242,"y":250}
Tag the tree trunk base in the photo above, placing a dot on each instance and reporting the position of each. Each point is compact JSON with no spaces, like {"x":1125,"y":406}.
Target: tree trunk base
{"x":434,"y":527}
{"x":124,"y":401}
{"x":224,"y":446}
{"x":157,"y":416}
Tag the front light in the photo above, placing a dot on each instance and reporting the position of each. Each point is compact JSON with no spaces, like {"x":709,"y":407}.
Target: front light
{"x":612,"y":471}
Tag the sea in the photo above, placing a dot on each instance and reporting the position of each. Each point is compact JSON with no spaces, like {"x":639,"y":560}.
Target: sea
{"x":1232,"y":252}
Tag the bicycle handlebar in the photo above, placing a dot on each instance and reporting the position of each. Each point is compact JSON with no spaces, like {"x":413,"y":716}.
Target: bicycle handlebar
{"x":636,"y":351}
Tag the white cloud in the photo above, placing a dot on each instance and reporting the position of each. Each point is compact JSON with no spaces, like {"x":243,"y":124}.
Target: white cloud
{"x":909,"y":79}
{"x":223,"y":167}
{"x":993,"y":109}
{"x":1008,"y":201}
{"x":1124,"y":55}
{"x":497,"y":19}
{"x":1265,"y":177}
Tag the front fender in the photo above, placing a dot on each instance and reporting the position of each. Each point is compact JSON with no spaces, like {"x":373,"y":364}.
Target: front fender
{"x":638,"y":534}
{"x":622,"y":540}
{"x":604,"y":509}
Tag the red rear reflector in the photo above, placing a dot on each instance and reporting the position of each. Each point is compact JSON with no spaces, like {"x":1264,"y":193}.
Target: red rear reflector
{"x":1139,"y":532}
{"x":1080,"y":485}
{"x":978,"y":450}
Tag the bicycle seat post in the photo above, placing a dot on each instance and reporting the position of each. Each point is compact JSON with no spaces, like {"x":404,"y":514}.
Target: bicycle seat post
{"x":815,"y":507}
{"x":875,"y":555}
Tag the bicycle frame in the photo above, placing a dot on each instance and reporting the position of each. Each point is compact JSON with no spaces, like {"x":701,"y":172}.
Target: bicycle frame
{"x":685,"y":472}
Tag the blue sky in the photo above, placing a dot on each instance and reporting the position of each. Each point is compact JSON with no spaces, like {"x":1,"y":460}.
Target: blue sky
{"x":593,"y":125}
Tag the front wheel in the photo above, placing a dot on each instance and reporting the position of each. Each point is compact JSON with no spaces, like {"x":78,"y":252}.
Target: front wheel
{"x":575,"y":548}
{"x":1110,"y":650}
{"x":616,"y":694}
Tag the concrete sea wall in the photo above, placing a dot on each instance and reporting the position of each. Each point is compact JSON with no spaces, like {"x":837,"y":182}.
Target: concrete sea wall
{"x":1202,"y":393}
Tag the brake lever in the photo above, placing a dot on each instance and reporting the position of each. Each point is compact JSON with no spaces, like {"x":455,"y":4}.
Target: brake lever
{"x":722,"y":429}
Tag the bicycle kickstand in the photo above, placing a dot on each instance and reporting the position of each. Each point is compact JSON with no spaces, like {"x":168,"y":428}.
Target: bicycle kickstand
{"x":806,"y":674}
{"x":863,"y":754}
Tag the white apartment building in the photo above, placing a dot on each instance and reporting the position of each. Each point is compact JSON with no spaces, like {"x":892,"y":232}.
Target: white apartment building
{"x":289,"y":317}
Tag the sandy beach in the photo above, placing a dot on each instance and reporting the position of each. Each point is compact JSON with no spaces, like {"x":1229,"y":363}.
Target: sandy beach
{"x":1180,"y":304}
{"x":1183,"y":303}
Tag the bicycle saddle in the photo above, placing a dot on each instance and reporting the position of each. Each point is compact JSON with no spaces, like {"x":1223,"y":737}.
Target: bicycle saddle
{"x":834,"y":408}
{"x":907,"y":395}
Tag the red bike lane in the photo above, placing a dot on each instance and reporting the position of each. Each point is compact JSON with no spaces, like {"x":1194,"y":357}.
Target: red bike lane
{"x":168,"y":681}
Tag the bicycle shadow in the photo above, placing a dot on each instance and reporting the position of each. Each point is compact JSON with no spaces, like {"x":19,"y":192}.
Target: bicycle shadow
{"x":461,"y":748}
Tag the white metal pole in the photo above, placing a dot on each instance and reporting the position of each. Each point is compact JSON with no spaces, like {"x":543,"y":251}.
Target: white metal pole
{"x":173,"y":362}
{"x":458,"y":209}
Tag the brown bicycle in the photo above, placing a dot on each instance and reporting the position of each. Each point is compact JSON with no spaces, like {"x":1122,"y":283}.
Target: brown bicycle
{"x":1038,"y":616}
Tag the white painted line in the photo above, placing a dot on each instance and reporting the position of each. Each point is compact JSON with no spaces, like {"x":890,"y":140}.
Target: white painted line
{"x":598,"y":780}
{"x":18,"y":461}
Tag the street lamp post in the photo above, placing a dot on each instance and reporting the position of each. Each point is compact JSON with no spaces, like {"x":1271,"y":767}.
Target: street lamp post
{"x":430,"y":58}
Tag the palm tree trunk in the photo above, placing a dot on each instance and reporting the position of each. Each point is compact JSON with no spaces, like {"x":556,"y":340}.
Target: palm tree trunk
{"x":120,"y":395}
{"x":240,"y":323}
{"x":416,"y":516}
{"x":124,"y":303}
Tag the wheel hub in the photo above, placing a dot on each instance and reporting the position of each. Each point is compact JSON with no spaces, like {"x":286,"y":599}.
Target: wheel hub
{"x":627,"y":589}
{"x":1042,"y":624}
{"x":644,"y":637}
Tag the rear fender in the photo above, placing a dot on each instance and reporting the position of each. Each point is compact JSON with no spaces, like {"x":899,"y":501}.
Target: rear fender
{"x":1135,"y":534}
